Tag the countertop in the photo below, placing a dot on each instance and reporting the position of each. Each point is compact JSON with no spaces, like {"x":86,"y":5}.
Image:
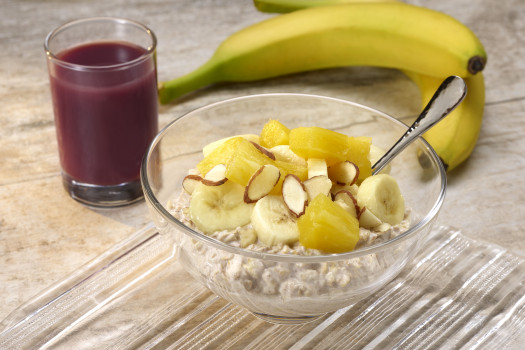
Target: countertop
{"x":45,"y":235}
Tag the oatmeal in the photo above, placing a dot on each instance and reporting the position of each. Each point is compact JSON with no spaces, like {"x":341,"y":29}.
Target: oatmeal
{"x":285,"y":280}
{"x":300,"y":192}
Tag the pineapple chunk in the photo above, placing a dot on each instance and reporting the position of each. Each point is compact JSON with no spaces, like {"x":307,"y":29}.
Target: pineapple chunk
{"x":334,"y":147}
{"x":358,"y":150}
{"x":219,"y":155}
{"x":243,"y":159}
{"x":328,"y":227}
{"x":299,"y":170}
{"x":274,"y":134}
{"x":213,"y":145}
{"x":315,"y":142}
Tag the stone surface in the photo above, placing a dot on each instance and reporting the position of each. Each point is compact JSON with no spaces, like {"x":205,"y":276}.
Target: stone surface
{"x":45,"y":235}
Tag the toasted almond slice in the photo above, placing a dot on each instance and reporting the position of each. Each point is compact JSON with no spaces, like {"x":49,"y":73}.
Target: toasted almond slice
{"x":349,"y":200}
{"x":294,"y":195}
{"x":190,"y":182}
{"x":263,"y":150}
{"x":261,"y":183}
{"x":216,"y":176}
{"x":344,"y":173}
{"x":337,"y":188}
{"x":316,"y":185}
{"x":317,"y":167}
{"x":367,"y":219}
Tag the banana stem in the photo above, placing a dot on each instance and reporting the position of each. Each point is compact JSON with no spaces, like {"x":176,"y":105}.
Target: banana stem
{"x":202,"y":76}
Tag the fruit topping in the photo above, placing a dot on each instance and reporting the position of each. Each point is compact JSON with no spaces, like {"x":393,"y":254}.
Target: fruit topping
{"x":317,"y":167}
{"x":380,"y":194}
{"x":217,"y":208}
{"x":307,"y":184}
{"x":328,"y":227}
{"x":274,"y":133}
{"x":273,"y":222}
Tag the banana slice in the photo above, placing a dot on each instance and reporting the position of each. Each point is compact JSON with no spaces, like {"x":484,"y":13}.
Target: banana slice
{"x":380,"y":194}
{"x":217,"y":208}
{"x":285,"y":154}
{"x":317,"y":167}
{"x":273,"y":222}
{"x":375,"y":154}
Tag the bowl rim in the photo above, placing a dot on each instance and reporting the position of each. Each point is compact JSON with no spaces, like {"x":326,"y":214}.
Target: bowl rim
{"x":166,"y":215}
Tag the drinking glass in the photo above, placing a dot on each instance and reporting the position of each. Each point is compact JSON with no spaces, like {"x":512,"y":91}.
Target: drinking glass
{"x":103,"y":85}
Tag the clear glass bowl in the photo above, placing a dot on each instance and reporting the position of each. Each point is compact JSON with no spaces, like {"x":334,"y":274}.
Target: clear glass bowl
{"x":289,"y":288}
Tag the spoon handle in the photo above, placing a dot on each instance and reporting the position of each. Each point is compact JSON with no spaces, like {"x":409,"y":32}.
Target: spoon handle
{"x":447,"y":97}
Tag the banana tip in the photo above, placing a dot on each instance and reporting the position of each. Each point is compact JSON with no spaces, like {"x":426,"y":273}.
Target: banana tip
{"x":476,"y":64}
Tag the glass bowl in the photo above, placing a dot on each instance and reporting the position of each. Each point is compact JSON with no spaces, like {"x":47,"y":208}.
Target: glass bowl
{"x":279,"y":288}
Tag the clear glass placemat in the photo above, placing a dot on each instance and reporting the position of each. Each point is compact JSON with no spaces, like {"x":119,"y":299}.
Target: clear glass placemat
{"x":458,"y":293}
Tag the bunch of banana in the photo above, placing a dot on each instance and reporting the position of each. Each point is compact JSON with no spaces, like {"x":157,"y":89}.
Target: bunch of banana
{"x":455,"y":137}
{"x":384,"y":34}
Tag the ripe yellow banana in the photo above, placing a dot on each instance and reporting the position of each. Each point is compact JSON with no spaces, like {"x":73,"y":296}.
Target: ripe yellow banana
{"x":394,"y":35}
{"x":455,"y":137}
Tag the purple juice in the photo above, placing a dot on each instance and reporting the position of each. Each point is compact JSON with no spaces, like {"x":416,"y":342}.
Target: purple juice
{"x":105,"y":105}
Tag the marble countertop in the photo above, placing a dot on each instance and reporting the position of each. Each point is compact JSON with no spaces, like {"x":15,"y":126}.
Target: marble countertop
{"x":44,"y":234}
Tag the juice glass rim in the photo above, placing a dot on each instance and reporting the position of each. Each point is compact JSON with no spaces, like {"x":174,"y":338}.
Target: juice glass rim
{"x":150,"y":50}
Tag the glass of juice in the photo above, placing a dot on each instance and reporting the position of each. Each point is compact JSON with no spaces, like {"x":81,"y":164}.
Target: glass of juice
{"x":103,"y":84}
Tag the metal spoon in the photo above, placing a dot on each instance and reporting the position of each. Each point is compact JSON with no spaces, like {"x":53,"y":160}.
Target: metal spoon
{"x":447,"y":97}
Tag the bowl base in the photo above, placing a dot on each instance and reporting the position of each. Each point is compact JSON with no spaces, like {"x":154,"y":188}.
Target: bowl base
{"x":287,"y":319}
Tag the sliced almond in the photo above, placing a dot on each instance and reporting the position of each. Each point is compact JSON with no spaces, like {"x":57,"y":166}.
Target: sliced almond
{"x":216,"y":176}
{"x":261,"y":183}
{"x":337,"y":188}
{"x":294,"y":195}
{"x":190,"y":182}
{"x":316,"y":185}
{"x":344,"y":173}
{"x":317,"y":167}
{"x":263,"y":150}
{"x":367,"y":219}
{"x":349,"y":200}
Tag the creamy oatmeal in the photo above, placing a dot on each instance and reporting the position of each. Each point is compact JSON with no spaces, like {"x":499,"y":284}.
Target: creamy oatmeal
{"x":286,"y":281}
